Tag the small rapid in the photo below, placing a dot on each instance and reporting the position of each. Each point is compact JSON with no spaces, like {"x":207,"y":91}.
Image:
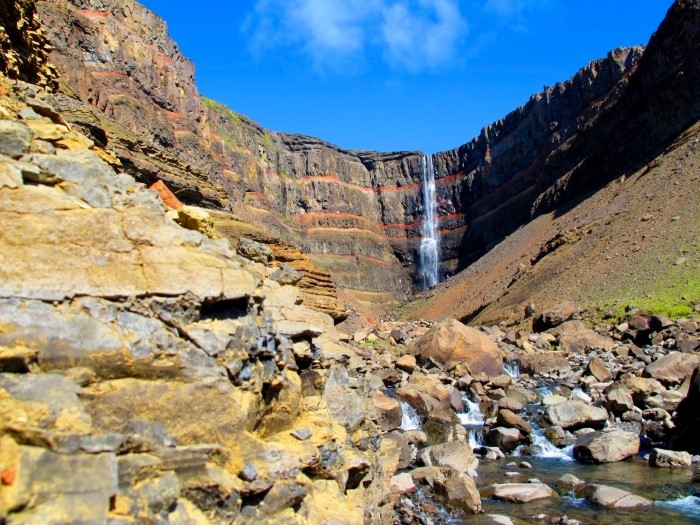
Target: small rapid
{"x":410,"y":420}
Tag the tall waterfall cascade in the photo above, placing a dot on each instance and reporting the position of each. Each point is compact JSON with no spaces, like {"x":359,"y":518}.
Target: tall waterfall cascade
{"x":430,"y":240}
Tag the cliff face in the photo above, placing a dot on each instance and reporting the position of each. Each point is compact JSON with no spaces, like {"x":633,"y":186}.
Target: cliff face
{"x":24,"y":48}
{"x":360,"y":213}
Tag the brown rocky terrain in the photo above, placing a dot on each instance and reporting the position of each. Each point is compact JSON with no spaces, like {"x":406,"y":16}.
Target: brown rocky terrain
{"x":161,"y":362}
{"x":359,"y":213}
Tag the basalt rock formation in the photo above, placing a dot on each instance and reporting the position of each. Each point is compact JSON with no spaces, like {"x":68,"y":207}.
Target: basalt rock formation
{"x":360,"y":213}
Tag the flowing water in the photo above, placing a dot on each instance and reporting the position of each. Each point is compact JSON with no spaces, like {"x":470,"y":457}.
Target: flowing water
{"x":512,"y":369}
{"x":410,"y":419}
{"x":676,"y":499}
{"x":430,"y":240}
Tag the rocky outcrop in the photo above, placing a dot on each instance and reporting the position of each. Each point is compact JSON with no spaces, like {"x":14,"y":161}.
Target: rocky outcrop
{"x":149,"y":372}
{"x":24,"y":48}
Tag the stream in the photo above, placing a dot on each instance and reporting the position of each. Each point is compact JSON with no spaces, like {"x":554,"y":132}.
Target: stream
{"x":676,"y":499}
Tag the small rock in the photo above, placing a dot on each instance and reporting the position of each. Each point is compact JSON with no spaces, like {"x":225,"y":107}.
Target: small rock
{"x":248,"y":472}
{"x":302,"y":434}
{"x":403,"y":483}
{"x":406,"y":363}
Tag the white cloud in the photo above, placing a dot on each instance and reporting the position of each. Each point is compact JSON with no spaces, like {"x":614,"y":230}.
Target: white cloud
{"x":422,"y":36}
{"x":513,"y":13}
{"x":408,"y":34}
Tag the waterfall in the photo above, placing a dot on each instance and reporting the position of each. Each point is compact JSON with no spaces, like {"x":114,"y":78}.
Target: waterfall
{"x":430,"y":240}
{"x":410,"y":419}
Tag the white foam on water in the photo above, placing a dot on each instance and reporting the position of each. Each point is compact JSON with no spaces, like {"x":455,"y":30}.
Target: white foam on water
{"x":690,"y":505}
{"x":475,"y":438}
{"x":410,"y":419}
{"x":512,"y":369}
{"x":546,"y":449}
{"x":473,"y":415}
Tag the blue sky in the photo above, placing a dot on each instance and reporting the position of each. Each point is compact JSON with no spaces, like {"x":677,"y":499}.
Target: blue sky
{"x":394,"y":75}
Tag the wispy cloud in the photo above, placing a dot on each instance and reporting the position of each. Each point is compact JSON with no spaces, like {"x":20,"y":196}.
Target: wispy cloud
{"x":514,"y":13}
{"x":422,"y":36}
{"x":410,"y":35}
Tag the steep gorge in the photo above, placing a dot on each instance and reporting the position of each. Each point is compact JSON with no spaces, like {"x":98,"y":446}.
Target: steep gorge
{"x":359,"y":214}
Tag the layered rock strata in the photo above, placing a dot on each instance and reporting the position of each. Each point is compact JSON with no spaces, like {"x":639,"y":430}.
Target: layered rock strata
{"x":360,"y":213}
{"x":148,"y":372}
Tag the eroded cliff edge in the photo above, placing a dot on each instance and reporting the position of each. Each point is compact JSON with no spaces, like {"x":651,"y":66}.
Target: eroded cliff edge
{"x":360,"y":213}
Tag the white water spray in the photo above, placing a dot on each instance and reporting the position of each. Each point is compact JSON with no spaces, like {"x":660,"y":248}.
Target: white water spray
{"x":410,"y":419}
{"x":430,"y":240}
{"x":473,"y":415}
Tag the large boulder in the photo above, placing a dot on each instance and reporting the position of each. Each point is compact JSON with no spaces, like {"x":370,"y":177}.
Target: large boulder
{"x":428,"y":396}
{"x":506,"y":439}
{"x":686,"y":435}
{"x":554,"y":316}
{"x":451,"y":343}
{"x":612,"y":498}
{"x":584,"y":341}
{"x":608,"y":446}
{"x":453,"y":454}
{"x":509,"y":419}
{"x":673,"y":368}
{"x":670,"y":458}
{"x":389,"y":411}
{"x":576,"y":414}
{"x":460,"y":492}
{"x":518,"y":492}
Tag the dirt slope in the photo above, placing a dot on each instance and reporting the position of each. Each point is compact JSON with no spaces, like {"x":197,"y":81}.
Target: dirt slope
{"x":634,"y":242}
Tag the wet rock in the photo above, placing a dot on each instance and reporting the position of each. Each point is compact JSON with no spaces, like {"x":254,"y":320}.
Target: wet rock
{"x":506,"y":439}
{"x":612,"y":498}
{"x":576,"y":414}
{"x":455,"y":455}
{"x":460,"y":492}
{"x":669,"y":458}
{"x":607,"y":446}
{"x":509,"y":419}
{"x":429,"y":397}
{"x":519,"y":492}
{"x":510,"y":404}
{"x":389,"y":410}
{"x":673,"y":368}
{"x":451,"y":343}
{"x":568,"y":483}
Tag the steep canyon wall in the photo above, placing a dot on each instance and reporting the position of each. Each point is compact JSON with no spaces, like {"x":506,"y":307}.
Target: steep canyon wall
{"x":360,"y":213}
